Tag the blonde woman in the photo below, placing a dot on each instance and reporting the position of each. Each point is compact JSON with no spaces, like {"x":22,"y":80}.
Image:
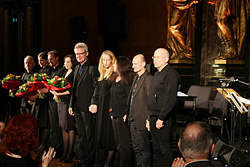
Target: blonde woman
{"x":105,"y":141}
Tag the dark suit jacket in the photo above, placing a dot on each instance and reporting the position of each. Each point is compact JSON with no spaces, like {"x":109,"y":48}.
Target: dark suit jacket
{"x":139,"y":107}
{"x":200,"y":164}
{"x":84,"y":87}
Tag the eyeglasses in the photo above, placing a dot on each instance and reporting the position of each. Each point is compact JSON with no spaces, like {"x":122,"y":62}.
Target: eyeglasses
{"x":78,"y":54}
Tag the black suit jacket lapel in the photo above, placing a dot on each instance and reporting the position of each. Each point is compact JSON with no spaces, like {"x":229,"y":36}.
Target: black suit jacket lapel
{"x":84,"y":72}
{"x":139,"y":84}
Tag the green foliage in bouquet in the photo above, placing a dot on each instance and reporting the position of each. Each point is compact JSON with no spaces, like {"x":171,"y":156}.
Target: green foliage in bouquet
{"x":58,"y":82}
{"x":11,"y":77}
{"x":23,"y":88}
{"x":39,"y":77}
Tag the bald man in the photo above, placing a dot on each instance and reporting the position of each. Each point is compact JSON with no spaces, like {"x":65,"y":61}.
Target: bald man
{"x":196,"y":146}
{"x":138,"y":111}
{"x":29,"y":64}
{"x":161,"y":102}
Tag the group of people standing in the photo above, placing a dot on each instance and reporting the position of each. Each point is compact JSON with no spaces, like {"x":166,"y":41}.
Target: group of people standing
{"x":108,"y":108}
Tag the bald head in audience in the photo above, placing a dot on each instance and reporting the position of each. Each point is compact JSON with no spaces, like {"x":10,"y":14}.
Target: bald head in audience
{"x":196,"y":142}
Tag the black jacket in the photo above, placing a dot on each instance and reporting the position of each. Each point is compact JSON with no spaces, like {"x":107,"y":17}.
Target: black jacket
{"x":163,"y":94}
{"x":84,"y":87}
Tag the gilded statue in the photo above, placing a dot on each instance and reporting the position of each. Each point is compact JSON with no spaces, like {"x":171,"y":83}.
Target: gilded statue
{"x":181,"y":26}
{"x":231,"y":17}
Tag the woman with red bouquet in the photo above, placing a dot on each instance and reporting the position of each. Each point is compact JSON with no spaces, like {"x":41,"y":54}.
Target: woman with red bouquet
{"x":40,"y":108}
{"x":66,"y":121}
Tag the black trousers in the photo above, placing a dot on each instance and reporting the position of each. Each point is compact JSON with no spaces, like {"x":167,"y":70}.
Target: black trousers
{"x":122,"y":141}
{"x":56,"y":131}
{"x":141,"y":145}
{"x":85,"y":125}
{"x":163,"y":155}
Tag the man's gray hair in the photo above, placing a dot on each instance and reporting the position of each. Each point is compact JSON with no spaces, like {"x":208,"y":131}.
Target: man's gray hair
{"x":81,"y":45}
{"x":29,"y":57}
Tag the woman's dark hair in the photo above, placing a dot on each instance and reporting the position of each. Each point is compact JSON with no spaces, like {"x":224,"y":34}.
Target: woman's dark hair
{"x":20,"y":135}
{"x":124,"y":68}
{"x":73,"y":61}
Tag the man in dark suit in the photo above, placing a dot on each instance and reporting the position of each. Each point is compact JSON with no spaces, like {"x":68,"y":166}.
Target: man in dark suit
{"x":138,"y":111}
{"x":56,"y":131}
{"x":196,"y":146}
{"x":161,"y":102}
{"x":82,"y":101}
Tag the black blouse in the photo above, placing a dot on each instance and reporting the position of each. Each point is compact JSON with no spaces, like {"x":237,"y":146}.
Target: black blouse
{"x":118,"y":99}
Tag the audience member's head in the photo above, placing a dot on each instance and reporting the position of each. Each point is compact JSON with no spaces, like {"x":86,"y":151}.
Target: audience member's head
{"x":196,"y":141}
{"x":20,"y":135}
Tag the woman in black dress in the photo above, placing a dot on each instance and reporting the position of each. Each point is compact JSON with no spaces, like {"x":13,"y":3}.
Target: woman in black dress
{"x":41,"y":106}
{"x":122,"y":80}
{"x":66,"y":121}
{"x":105,"y":140}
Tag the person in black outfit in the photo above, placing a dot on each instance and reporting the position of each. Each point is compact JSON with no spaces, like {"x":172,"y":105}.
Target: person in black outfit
{"x":196,"y":146}
{"x":161,"y":102}
{"x":56,"y":131}
{"x":19,"y":142}
{"x":105,"y":139}
{"x":29,"y":64}
{"x":66,"y":121}
{"x":41,"y":106}
{"x":138,"y":111}
{"x":82,"y":101}
{"x":122,"y":80}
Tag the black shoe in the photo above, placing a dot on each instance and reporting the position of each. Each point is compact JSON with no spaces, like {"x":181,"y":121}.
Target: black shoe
{"x":78,"y":164}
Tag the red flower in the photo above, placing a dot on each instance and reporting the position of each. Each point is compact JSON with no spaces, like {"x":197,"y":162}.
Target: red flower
{"x":44,"y":78}
{"x":56,"y":77}
{"x":35,"y":79}
{"x":55,"y":82}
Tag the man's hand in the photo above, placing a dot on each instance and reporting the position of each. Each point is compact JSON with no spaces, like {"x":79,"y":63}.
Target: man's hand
{"x":159,"y":124}
{"x":125,"y":118}
{"x":178,"y":162}
{"x":147,"y":124}
{"x":71,"y":111}
{"x":93,"y":108}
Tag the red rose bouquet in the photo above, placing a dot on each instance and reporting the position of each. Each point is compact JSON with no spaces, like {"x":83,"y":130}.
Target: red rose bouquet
{"x":26,"y":91}
{"x":37,"y":82}
{"x":11,"y":82}
{"x":58,"y":84}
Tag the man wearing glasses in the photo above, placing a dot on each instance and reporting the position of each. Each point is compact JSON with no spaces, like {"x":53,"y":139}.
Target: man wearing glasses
{"x":84,"y":87}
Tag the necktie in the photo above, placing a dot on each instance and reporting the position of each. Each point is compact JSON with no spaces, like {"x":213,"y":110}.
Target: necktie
{"x":80,"y":70}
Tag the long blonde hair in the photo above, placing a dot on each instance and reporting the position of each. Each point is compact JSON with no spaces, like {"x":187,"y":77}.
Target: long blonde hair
{"x":101,"y":68}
